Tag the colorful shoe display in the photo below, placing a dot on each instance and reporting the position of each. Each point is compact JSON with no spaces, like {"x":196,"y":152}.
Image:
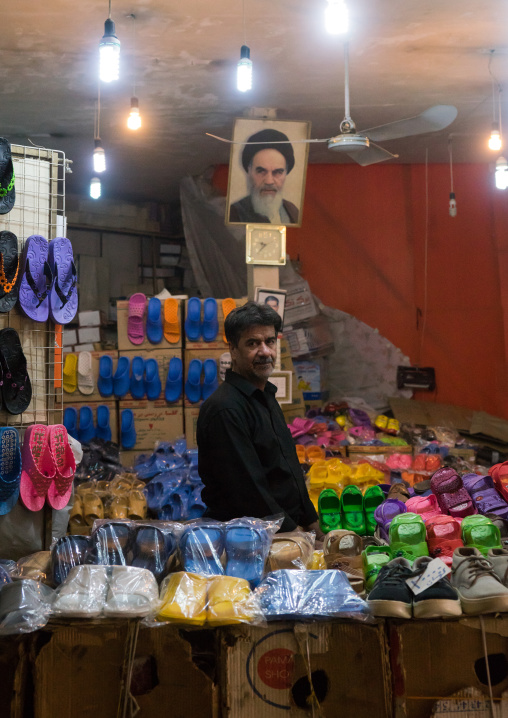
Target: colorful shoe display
{"x":353,"y":517}
{"x":480,"y":532}
{"x":451,"y":495}
{"x":372,"y":498}
{"x":407,"y":536}
{"x":329,"y":511}
{"x":443,"y":537}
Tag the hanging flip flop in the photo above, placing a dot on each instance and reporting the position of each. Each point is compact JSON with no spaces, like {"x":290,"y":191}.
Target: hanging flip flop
{"x":128,"y":430}
{"x":193,"y":319}
{"x":174,"y":381}
{"x":60,"y":490}
{"x":7,"y":190}
{"x":70,"y":421}
{"x":36,"y":280}
{"x":210,"y":379}
{"x":10,"y":469}
{"x":9,"y":270}
{"x":171,"y":323}
{"x":70,"y":378}
{"x":15,"y":382}
{"x":85,"y":374}
{"x":154,"y":321}
{"x":135,"y":328}
{"x":121,"y":377}
{"x":105,"y":380}
{"x":193,"y":383}
{"x":210,"y":326}
{"x":63,"y":299}
{"x":103,"y":429}
{"x":137,"y":385}
{"x":152,"y":380}
{"x":228,"y":305}
{"x":38,"y":467}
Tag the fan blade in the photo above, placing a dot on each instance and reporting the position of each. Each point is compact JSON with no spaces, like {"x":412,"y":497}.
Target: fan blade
{"x":275,"y":142}
{"x":430,"y":120}
{"x":371,"y":154}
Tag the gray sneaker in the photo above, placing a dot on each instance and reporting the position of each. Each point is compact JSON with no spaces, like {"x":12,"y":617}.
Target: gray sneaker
{"x":498,"y":557}
{"x":479,"y":588}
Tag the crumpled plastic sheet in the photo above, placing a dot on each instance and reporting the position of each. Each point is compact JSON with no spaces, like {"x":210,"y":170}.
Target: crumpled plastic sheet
{"x":25,"y":606}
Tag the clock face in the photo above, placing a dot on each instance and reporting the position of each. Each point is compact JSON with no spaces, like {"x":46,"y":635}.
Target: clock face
{"x":266,"y":246}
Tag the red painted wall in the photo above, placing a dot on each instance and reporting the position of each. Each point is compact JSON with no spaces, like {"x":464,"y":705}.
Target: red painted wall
{"x":366,"y":235}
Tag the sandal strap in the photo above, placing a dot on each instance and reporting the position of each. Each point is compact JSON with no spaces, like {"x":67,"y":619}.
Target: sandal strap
{"x":41,"y":296}
{"x":7,"y":286}
{"x":7,"y":374}
{"x":64,"y":298}
{"x":5,"y":190}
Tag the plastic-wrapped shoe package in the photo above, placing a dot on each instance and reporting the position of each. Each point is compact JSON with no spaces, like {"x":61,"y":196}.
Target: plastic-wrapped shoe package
{"x":83,"y":593}
{"x":67,"y":552}
{"x":308,"y":595}
{"x":294,"y":549}
{"x":25,"y":606}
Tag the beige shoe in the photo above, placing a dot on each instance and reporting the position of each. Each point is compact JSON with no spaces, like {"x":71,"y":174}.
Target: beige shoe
{"x":342,"y":550}
{"x":479,"y":588}
{"x":291,"y":550}
{"x":498,"y":557}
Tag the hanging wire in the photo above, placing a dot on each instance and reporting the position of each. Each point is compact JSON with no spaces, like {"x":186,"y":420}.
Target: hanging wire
{"x":495,"y":86}
{"x":97,"y":115}
{"x":134,"y":45}
{"x":110,"y":9}
{"x":451,"y":163}
{"x":243,"y":17}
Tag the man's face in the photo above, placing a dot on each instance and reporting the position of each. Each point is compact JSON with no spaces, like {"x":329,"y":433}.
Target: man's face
{"x":254,"y":357}
{"x":267,"y":173}
{"x":273,"y":303}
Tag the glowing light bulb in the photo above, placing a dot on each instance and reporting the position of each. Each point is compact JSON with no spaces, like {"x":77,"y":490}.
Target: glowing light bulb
{"x":495,"y":142}
{"x":134,"y":119}
{"x":109,"y":53}
{"x":501,"y":175}
{"x":244,"y":70}
{"x":95,"y":188}
{"x":336,"y":17}
{"x":452,"y":206}
{"x":99,"y":157}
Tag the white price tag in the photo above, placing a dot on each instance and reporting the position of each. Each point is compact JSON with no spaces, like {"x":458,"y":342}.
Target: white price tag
{"x":435,"y":571}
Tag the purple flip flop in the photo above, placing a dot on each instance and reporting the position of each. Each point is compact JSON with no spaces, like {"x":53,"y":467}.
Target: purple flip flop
{"x":36,"y":280}
{"x":63,"y":299}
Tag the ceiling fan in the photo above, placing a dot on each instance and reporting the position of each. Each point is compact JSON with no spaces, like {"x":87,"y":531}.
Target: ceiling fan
{"x":361,"y":146}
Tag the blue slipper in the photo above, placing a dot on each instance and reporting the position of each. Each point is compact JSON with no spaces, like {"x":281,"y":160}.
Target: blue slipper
{"x":10,"y":467}
{"x":70,"y":421}
{"x":121,"y":378}
{"x":201,"y":548}
{"x":152,"y":379}
{"x":86,"y":428}
{"x":210,"y":325}
{"x":193,"y":319}
{"x":128,"y":430}
{"x":105,"y":380}
{"x":192,"y":457}
{"x":196,"y":506}
{"x":103,"y":429}
{"x":246,"y":550}
{"x":174,"y":382}
{"x":137,"y":385}
{"x":154,"y":321}
{"x":193,"y":383}
{"x":161,"y":486}
{"x":152,"y":549}
{"x":210,"y":378}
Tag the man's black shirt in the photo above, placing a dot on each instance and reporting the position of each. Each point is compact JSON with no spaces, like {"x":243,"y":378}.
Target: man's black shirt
{"x":247,"y":457}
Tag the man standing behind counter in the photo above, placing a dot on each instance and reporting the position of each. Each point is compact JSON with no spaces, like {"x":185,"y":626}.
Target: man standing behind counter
{"x":247,"y":457}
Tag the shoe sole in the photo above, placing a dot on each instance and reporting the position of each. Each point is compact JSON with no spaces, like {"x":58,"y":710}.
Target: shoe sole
{"x":489,"y":604}
{"x":395,"y":609}
{"x":437,"y":608}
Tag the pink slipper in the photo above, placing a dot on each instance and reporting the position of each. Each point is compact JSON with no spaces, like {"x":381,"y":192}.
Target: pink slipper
{"x":60,"y":490}
{"x":135,"y":323}
{"x":38,"y":467}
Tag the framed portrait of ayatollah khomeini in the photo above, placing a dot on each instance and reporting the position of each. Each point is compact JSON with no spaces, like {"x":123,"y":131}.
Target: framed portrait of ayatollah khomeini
{"x":267,"y":171}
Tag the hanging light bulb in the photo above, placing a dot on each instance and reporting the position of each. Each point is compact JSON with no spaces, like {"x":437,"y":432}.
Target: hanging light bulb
{"x":99,"y":157}
{"x":495,"y":142}
{"x":336,"y":17}
{"x":109,"y":53}
{"x":134,"y":119}
{"x":501,"y":175}
{"x":95,"y":188}
{"x":244,"y":70}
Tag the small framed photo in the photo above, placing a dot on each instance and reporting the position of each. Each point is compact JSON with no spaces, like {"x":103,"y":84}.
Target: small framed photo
{"x":283,"y":381}
{"x":267,"y":170}
{"x":274,"y":298}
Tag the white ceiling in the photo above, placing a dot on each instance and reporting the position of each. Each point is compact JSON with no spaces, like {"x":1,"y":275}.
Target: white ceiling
{"x":406,"y":55}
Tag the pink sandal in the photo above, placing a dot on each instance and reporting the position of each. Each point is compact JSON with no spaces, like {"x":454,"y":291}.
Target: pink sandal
{"x":38,"y":467}
{"x":60,"y":490}
{"x":135,"y":323}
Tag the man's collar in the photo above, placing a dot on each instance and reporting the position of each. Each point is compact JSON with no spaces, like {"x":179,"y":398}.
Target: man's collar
{"x":245,"y":386}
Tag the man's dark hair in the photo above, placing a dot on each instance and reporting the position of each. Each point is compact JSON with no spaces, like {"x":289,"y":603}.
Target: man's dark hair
{"x":271,"y":298}
{"x":248,"y":316}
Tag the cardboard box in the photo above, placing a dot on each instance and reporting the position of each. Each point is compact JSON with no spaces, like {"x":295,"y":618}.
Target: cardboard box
{"x":124,"y":344}
{"x":84,"y":348}
{"x":191,"y":422}
{"x":219,"y":343}
{"x":77,"y":396}
{"x":112,"y":406}
{"x":162,"y":357}
{"x":91,"y":318}
{"x":69,"y":337}
{"x":14,"y":665}
{"x":264,"y":671}
{"x":89,"y":335}
{"x":202,"y":354}
{"x":154,"y":421}
{"x":434,"y":659}
{"x":377,"y":452}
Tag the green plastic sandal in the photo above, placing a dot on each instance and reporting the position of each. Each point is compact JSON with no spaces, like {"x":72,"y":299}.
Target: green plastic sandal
{"x":329,"y":511}
{"x":353,"y":517}
{"x":480,"y":532}
{"x":372,"y":497}
{"x":407,"y":536}
{"x":374,"y":558}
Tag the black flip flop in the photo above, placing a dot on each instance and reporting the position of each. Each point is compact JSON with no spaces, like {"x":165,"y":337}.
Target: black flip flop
{"x":7,"y":191}
{"x":14,"y":380}
{"x":9,"y":270}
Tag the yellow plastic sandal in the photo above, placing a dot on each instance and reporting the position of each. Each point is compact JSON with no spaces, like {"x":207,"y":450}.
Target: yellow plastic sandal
{"x":77,"y":523}
{"x":171,"y":323}
{"x":119,"y":506}
{"x":70,"y":373}
{"x":227,"y":601}
{"x":227,"y":306}
{"x":184,"y":598}
{"x":137,"y":505}
{"x":93,"y":508}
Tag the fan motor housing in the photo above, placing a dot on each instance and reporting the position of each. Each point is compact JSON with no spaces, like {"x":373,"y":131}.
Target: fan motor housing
{"x":346,"y":143}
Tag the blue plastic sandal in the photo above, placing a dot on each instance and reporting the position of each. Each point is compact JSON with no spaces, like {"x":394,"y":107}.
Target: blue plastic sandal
{"x":210,"y":326}
{"x":196,"y":506}
{"x":247,"y":547}
{"x":10,"y":467}
{"x":103,"y":430}
{"x":201,"y":548}
{"x":154,"y":321}
{"x":137,"y":384}
{"x":193,"y":385}
{"x":121,"y":379}
{"x":105,"y":380}
{"x":210,"y":378}
{"x":193,"y":319}
{"x":127,"y":430}
{"x":174,"y":382}
{"x":70,"y":421}
{"x":153,"y":385}
{"x":152,"y":549}
{"x":86,"y":428}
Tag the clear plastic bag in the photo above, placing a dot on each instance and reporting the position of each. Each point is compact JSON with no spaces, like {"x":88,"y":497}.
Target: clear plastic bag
{"x":310,"y":595}
{"x":25,"y":606}
{"x":213,"y":600}
{"x":37,"y":567}
{"x":291,"y":550}
{"x":67,"y":552}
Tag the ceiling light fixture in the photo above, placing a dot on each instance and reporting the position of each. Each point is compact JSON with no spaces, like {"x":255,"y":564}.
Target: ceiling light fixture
{"x":501,"y":175}
{"x":452,"y":204}
{"x":134,"y":119}
{"x":337,"y":17}
{"x":495,"y":142}
{"x":95,"y":188}
{"x":109,"y":52}
{"x":99,"y":156}
{"x":244,"y":66}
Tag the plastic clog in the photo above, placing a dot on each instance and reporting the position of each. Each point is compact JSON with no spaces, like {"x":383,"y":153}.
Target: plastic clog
{"x":121,"y":377}
{"x":247,"y":548}
{"x":86,"y":430}
{"x":127,"y":429}
{"x":210,"y":378}
{"x":210,"y":325}
{"x":193,"y":319}
{"x":137,"y":384}
{"x":103,"y":429}
{"x":152,"y":381}
{"x":174,"y":382}
{"x":193,"y":382}
{"x":154,"y":321}
{"x":372,"y":498}
{"x":105,"y":380}
{"x":70,"y":421}
{"x":329,"y":510}
{"x":353,"y":517}
{"x":201,"y":547}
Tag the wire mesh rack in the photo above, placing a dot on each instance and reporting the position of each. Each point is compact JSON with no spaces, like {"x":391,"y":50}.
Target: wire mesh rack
{"x":39,"y":209}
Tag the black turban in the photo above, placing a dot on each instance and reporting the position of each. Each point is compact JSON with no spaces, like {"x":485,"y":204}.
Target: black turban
{"x":274,"y":141}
